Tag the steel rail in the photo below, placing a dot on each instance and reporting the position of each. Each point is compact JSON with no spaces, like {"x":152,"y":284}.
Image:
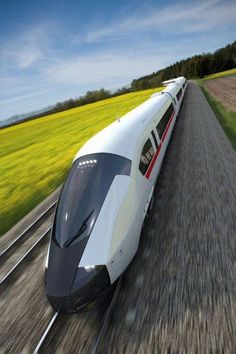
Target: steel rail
{"x":105,"y":322}
{"x":22,"y":234}
{"x":106,"y":319}
{"x":24,"y":256}
{"x":51,"y":323}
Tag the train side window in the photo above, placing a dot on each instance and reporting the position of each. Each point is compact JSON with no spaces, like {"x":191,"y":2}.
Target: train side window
{"x":146,"y":156}
{"x":155,"y":139}
{"x":161,"y":126}
{"x":179,"y":94}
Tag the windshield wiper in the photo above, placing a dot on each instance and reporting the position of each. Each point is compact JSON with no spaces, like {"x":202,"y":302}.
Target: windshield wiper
{"x":83,"y":227}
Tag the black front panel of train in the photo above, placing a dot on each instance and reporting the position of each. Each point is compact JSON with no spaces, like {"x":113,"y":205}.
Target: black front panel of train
{"x":89,"y":285}
{"x":62,"y":268}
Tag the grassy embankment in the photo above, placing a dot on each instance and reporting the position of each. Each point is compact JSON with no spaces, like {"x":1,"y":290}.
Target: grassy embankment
{"x":35,"y":156}
{"x":220,"y":74}
{"x":226,"y":117}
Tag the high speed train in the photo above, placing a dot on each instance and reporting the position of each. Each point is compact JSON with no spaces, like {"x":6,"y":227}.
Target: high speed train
{"x":104,"y":201}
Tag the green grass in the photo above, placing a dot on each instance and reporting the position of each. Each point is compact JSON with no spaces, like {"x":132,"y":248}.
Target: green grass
{"x":35,"y":156}
{"x":220,"y":74}
{"x":226,"y":118}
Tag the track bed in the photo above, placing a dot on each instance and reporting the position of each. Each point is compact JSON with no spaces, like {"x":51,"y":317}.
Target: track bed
{"x":180,"y":293}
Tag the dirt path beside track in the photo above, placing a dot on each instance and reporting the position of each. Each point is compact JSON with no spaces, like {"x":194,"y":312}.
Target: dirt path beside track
{"x":224,"y":90}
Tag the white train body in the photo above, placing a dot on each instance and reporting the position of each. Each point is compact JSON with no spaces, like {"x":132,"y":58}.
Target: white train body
{"x":140,"y":137}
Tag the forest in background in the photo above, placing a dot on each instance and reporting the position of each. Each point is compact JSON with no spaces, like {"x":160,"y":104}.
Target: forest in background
{"x":197,"y":66}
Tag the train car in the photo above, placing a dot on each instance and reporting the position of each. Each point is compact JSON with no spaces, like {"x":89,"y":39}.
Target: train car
{"x":105,"y":199}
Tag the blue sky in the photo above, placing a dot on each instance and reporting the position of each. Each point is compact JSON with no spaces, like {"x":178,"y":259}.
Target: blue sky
{"x":53,"y":50}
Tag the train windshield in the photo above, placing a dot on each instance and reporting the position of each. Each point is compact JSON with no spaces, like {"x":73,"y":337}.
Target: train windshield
{"x":83,"y":194}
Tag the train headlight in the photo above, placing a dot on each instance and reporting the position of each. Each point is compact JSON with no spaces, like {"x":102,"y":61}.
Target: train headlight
{"x":85,"y":275}
{"x":90,"y":281}
{"x":89,"y":268}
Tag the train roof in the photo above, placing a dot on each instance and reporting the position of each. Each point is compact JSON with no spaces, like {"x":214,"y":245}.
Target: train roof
{"x":121,"y":137}
{"x":179,"y":79}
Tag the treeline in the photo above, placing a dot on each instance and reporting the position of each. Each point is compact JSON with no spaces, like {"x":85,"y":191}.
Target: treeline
{"x":197,"y":66}
{"x":194,"y":67}
{"x":89,"y":97}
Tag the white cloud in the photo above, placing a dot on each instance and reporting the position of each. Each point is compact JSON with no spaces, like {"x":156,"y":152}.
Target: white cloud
{"x":27,"y":48}
{"x":34,"y":74}
{"x":102,"y":68}
{"x":182,"y":18}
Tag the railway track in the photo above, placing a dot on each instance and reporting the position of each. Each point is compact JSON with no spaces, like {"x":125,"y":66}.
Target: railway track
{"x":179,"y":294}
{"x":27,"y":242}
{"x":23,"y":234}
{"x":21,"y":249}
{"x":43,"y":338}
{"x":103,"y":324}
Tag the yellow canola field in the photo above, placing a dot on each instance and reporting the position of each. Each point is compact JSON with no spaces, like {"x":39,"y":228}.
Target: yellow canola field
{"x":35,"y":156}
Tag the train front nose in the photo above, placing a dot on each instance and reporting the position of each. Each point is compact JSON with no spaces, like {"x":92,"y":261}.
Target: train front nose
{"x":69,"y":288}
{"x":61,"y":304}
{"x":90,"y":283}
{"x":60,"y":274}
